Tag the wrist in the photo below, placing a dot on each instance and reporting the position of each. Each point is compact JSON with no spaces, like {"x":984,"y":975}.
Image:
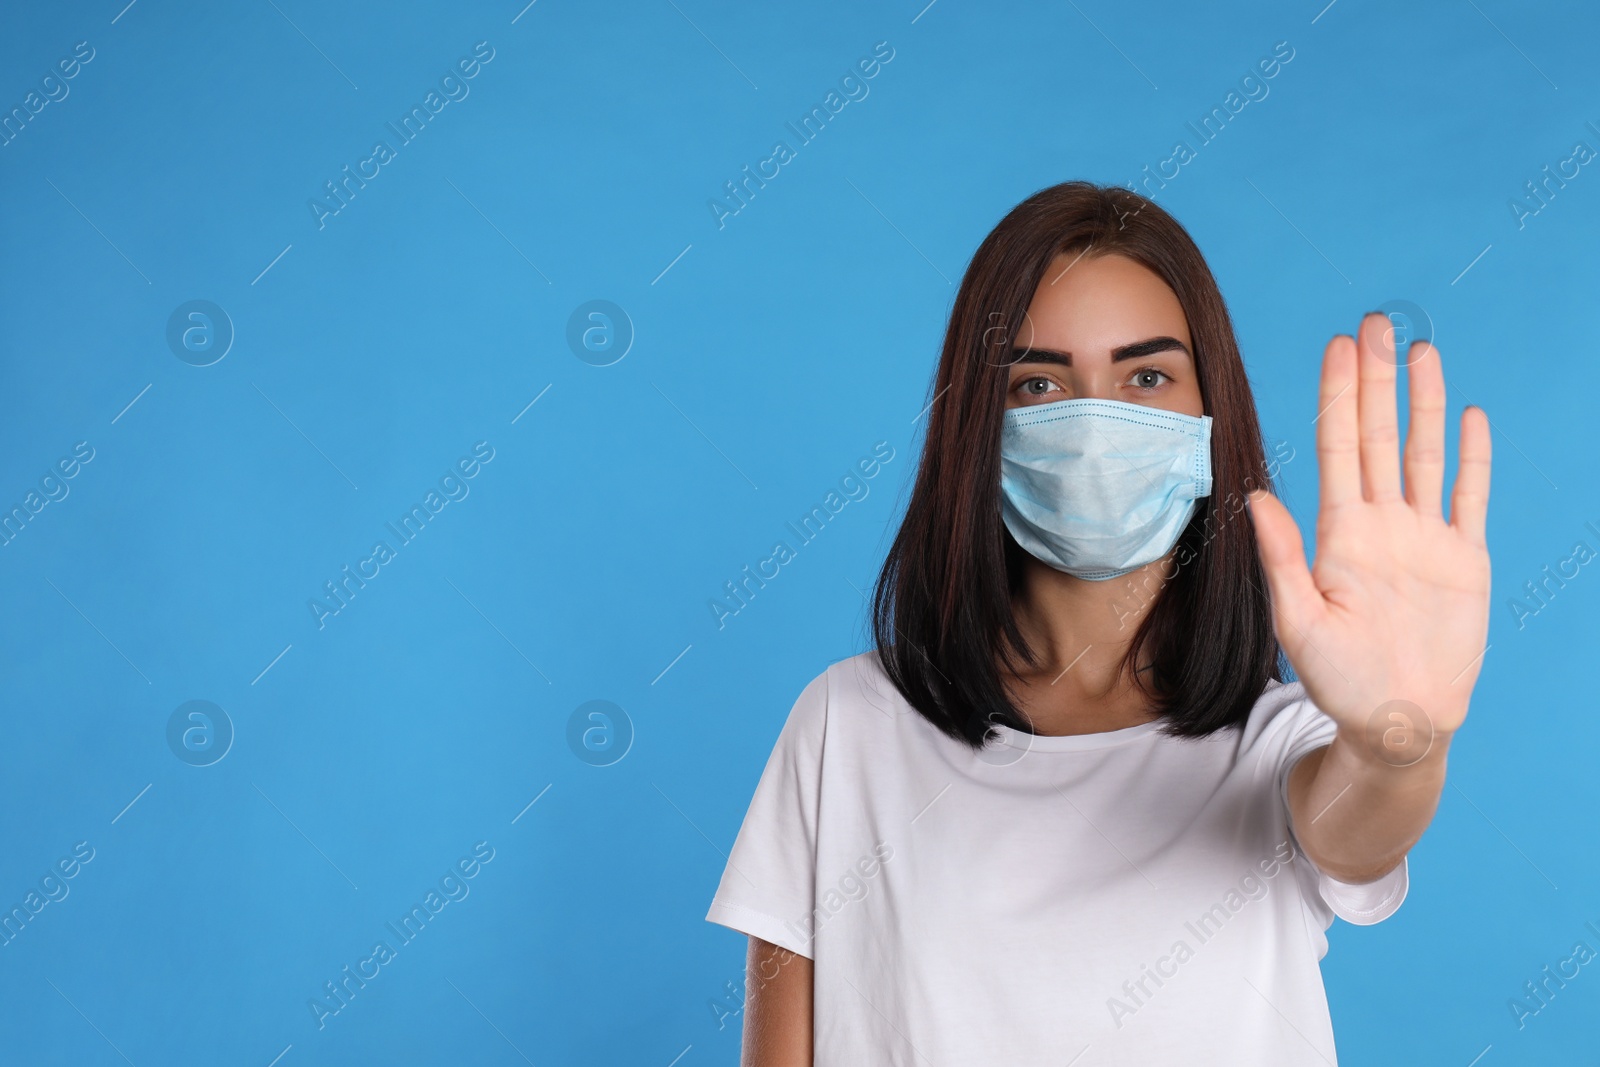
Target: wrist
{"x":1391,"y":750}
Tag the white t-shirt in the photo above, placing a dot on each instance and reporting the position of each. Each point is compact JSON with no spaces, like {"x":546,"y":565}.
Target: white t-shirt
{"x":1110,"y":898}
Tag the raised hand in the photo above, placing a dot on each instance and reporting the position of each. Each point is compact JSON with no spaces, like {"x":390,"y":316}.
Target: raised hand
{"x":1396,"y":605}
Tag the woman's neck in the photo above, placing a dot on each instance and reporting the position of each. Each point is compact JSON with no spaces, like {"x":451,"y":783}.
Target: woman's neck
{"x":1080,"y":631}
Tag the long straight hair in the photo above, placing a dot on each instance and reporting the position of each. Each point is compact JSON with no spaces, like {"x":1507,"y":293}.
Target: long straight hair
{"x":941,"y":611}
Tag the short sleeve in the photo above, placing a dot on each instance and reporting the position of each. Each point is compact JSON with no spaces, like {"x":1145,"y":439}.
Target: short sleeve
{"x":768,"y":887}
{"x":1297,"y":728}
{"x":1361,"y":903}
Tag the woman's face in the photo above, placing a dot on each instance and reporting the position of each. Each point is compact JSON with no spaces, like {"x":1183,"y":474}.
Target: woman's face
{"x":1104,"y":327}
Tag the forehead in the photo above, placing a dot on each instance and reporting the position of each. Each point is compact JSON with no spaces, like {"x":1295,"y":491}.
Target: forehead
{"x":1092,"y":302}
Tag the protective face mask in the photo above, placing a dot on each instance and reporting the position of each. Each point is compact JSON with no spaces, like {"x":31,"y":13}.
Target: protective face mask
{"x":1099,"y":488}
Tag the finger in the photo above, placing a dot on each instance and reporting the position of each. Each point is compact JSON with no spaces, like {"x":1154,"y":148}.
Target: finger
{"x":1337,"y":440}
{"x":1425,"y":434}
{"x":1295,"y":596}
{"x":1375,"y":407}
{"x":1469,"y":503}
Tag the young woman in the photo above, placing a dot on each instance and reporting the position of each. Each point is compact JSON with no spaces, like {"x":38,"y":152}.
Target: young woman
{"x":1068,"y":811}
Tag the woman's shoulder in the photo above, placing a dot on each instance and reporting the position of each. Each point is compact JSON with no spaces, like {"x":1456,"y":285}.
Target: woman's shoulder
{"x":859,"y":682}
{"x":1276,"y":697}
{"x":1282,"y":714}
{"x":846,"y":690}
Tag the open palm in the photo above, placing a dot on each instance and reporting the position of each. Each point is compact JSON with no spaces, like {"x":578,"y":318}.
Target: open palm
{"x":1396,"y":605}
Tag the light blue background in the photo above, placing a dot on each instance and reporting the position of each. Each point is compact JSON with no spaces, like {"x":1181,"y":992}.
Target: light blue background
{"x":769,"y":356}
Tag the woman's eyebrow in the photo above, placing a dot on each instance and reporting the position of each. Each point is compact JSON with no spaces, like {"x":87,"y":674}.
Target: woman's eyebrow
{"x":1135,"y":350}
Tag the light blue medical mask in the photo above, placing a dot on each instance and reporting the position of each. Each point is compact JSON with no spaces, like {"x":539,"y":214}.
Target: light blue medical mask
{"x":1099,"y":488}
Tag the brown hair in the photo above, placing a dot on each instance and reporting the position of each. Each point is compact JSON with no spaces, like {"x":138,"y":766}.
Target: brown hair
{"x":941,"y":611}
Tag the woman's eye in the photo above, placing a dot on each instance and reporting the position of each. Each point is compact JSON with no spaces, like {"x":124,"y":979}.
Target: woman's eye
{"x":1037,"y":386}
{"x":1149,"y":378}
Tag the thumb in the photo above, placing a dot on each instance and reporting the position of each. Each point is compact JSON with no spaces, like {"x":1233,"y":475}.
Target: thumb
{"x":1283,"y":555}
